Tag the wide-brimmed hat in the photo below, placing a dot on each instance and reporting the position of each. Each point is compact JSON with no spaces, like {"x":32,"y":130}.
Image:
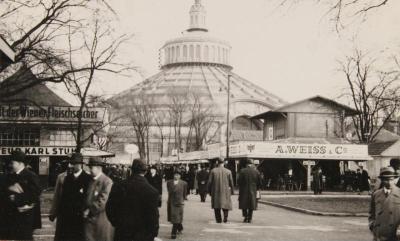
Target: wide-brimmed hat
{"x":387,"y":172}
{"x":18,"y":156}
{"x":96,"y":161}
{"x":76,"y":158}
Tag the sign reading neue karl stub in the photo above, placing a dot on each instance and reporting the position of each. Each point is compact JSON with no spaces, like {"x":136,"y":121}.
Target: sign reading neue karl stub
{"x":50,"y":114}
{"x":38,"y":151}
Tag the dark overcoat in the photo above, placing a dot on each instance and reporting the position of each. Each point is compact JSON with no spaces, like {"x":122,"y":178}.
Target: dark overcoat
{"x":364,"y":181}
{"x":97,"y":226}
{"x":132,"y":208}
{"x":202,"y":178}
{"x":249,"y":182}
{"x":176,"y":197}
{"x":22,"y":214}
{"x":156,"y":182}
{"x":317,"y":181}
{"x":384,"y":214}
{"x":70,"y":205}
{"x":220,"y":187}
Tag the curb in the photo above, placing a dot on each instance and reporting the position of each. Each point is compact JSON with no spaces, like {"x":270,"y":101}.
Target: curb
{"x":311,"y":212}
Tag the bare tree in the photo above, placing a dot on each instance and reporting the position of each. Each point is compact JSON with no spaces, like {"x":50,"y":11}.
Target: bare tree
{"x":96,"y":53}
{"x":162,"y":120}
{"x":341,"y":11}
{"x":140,"y":114}
{"x":178,"y":106}
{"x":202,"y":118}
{"x":374,"y":94}
{"x":36,"y":31}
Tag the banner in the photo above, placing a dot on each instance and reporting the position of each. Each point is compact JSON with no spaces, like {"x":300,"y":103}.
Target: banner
{"x":50,"y":114}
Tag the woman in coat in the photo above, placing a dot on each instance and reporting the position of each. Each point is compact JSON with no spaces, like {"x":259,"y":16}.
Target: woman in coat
{"x":177,"y":192}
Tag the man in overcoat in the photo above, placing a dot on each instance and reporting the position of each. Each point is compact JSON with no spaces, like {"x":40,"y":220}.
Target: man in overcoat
{"x":249,"y":182}
{"x":69,"y":202}
{"x":132,"y":207}
{"x":202,"y":178}
{"x":155,"y":180}
{"x":317,"y":180}
{"x":177,"y":192}
{"x":220,"y":187}
{"x":20,"y":200}
{"x":97,"y":227}
{"x":384,"y":214}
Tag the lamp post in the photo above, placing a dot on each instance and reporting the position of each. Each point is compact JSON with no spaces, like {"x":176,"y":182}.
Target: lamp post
{"x":227,"y":117}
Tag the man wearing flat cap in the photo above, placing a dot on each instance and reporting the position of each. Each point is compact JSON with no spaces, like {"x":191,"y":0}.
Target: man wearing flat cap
{"x":69,"y":199}
{"x":384,"y":214}
{"x":19,"y":199}
{"x":97,"y":226}
{"x":132,"y":207}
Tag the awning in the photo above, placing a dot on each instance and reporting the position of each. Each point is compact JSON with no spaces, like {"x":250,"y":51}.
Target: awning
{"x":195,"y":157}
{"x":93,"y":152}
{"x":299,"y":149}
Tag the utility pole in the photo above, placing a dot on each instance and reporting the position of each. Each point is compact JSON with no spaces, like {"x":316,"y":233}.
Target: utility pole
{"x":227,"y":117}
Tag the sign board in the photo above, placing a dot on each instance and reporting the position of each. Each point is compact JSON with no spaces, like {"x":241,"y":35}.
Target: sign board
{"x":270,"y":133}
{"x":44,"y":165}
{"x":50,"y":114}
{"x":298,"y":151}
{"x":309,"y":163}
{"x":39,"y":151}
{"x":131,"y":148}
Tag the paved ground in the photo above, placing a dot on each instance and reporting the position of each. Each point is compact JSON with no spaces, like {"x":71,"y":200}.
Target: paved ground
{"x":270,"y":223}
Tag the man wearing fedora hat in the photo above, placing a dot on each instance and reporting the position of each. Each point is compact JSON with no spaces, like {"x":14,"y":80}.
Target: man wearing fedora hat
{"x":384,"y":215}
{"x":19,"y":198}
{"x":249,"y":183}
{"x":132,"y":207}
{"x":220,"y":187}
{"x":68,"y":201}
{"x":177,"y":194}
{"x":97,"y":226}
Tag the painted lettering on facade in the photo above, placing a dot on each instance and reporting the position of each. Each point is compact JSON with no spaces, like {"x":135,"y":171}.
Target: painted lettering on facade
{"x":50,"y":113}
{"x":38,"y":151}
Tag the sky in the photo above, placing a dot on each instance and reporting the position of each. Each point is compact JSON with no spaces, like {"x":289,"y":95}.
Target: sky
{"x":292,"y":51}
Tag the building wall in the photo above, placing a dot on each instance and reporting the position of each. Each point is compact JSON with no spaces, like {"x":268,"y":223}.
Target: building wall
{"x":305,"y":120}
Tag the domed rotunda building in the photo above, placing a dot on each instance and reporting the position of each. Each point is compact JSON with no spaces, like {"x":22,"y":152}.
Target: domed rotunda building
{"x":194,"y":64}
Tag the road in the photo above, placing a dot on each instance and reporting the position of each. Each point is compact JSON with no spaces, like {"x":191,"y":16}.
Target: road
{"x":269,"y":223}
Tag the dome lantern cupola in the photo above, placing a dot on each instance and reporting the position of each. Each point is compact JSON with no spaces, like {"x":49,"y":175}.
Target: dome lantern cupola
{"x":196,"y":46}
{"x":197,"y":17}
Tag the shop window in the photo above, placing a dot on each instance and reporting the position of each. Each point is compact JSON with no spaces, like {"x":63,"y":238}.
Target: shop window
{"x":19,"y":137}
{"x":62,"y":138}
{"x":155,"y":147}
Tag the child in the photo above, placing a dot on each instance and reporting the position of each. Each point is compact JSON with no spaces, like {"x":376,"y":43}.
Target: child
{"x":177,"y":192}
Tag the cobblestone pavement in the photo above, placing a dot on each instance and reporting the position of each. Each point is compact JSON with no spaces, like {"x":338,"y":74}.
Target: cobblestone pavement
{"x":270,"y":223}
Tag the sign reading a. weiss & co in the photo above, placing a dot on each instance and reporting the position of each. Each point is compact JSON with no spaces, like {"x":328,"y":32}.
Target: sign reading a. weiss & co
{"x":38,"y":151}
{"x":300,"y":151}
{"x":50,"y":114}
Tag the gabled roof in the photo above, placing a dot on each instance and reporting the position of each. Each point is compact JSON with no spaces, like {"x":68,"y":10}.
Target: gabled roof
{"x":38,"y":94}
{"x":284,"y":109}
{"x":377,"y":148}
{"x":6,"y":50}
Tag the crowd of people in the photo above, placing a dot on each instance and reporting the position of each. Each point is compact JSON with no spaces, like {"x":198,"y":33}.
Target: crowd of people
{"x":89,"y":205}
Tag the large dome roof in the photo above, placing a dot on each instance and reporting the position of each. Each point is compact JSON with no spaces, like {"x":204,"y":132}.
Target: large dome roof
{"x":199,"y":63}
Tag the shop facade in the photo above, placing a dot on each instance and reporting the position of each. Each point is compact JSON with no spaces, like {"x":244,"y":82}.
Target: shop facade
{"x":297,"y":138}
{"x":44,"y":128}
